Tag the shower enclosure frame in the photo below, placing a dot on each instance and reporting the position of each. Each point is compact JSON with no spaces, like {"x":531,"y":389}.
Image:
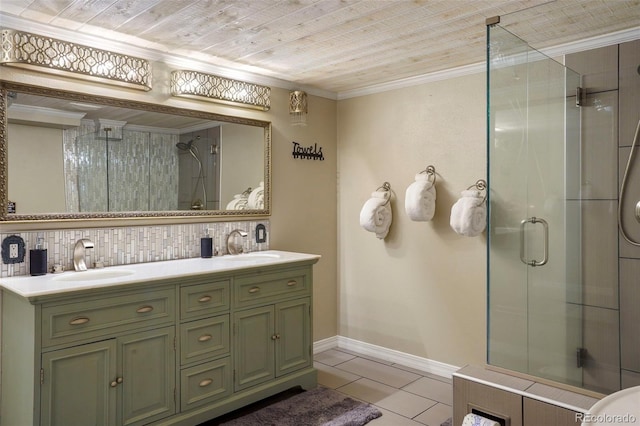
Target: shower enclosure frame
{"x":534,"y":314}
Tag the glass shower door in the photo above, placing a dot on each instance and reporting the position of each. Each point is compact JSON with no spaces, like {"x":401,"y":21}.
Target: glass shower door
{"x":534,"y":255}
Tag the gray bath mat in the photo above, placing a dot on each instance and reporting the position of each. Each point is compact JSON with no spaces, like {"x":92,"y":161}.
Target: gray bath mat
{"x":316,"y":407}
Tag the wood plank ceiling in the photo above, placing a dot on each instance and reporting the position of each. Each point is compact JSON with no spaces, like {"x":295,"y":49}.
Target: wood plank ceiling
{"x":333,"y":45}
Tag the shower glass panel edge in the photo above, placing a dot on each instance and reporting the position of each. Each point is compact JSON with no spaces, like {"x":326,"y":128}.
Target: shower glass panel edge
{"x":533,"y":253}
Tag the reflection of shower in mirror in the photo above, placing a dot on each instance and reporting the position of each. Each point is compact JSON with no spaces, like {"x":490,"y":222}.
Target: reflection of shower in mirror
{"x":196,"y":204}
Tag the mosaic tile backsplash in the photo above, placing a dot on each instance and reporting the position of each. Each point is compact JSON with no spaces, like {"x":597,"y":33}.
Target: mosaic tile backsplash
{"x":135,"y":244}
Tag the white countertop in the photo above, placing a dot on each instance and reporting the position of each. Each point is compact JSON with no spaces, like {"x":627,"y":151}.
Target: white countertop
{"x":49,"y":284}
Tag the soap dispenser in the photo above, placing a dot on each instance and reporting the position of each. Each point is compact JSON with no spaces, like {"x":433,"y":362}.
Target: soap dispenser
{"x":206,"y":244}
{"x":38,"y":258}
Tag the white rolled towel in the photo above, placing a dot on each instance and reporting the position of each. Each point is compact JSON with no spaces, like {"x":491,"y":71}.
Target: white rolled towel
{"x":420,"y":199}
{"x":239,"y":202}
{"x":469,"y":214}
{"x":256,"y":198}
{"x":476,"y":420}
{"x":375,"y":215}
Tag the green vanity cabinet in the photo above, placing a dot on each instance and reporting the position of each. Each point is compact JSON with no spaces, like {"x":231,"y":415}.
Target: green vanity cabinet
{"x":271,"y":341}
{"x":103,"y":357}
{"x":179,"y":350}
{"x":128,"y":380}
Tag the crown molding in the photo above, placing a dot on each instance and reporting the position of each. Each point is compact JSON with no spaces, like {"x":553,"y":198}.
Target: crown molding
{"x":155,"y":52}
{"x":617,"y":37}
{"x":551,"y":52}
{"x":413,"y":81}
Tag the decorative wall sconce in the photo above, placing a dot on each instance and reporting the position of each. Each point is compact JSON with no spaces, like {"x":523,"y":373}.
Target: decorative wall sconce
{"x":298,"y":107}
{"x":25,"y":50}
{"x":197,"y":85}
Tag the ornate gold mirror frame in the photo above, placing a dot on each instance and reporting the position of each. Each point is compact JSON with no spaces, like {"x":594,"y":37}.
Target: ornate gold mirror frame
{"x":8,"y":87}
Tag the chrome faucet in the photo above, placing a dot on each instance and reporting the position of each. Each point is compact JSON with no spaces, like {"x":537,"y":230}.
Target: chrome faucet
{"x":232,"y":247}
{"x":79,"y":252}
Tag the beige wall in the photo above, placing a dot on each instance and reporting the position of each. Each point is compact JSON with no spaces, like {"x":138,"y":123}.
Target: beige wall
{"x":36,"y":180}
{"x":422,"y":290}
{"x":241,"y":160}
{"x":304,"y":200}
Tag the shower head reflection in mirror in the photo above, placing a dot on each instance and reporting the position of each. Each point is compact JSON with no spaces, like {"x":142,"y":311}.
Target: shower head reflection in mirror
{"x":196,"y":204}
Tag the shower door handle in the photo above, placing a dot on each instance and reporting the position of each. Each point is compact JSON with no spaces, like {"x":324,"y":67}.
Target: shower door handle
{"x":545,"y":253}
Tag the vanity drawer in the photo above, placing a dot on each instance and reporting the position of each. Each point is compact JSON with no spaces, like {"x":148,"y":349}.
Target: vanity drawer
{"x":204,"y":339}
{"x":205,"y":383}
{"x":107,"y":316}
{"x":271,"y":287}
{"x":204,"y":299}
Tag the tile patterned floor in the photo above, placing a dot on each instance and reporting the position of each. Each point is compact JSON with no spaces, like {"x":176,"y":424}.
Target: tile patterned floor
{"x":405,"y":396}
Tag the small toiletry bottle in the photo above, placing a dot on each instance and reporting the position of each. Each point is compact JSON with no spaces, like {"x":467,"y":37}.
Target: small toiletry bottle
{"x":206,"y":245}
{"x":38,"y":259}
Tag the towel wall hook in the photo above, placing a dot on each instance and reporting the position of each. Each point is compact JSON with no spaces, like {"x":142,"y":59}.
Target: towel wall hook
{"x":386,"y":187}
{"x":480,"y":185}
{"x":431,"y":173}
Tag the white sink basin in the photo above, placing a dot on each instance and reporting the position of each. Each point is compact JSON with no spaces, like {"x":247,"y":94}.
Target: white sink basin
{"x":101,"y":274}
{"x":622,"y":407}
{"x":253,"y":256}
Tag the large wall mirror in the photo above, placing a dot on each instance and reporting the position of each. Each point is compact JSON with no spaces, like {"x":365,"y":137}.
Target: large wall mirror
{"x":68,"y":155}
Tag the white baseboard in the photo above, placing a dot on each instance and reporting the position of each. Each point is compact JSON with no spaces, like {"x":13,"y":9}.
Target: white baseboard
{"x":325,"y":344}
{"x":423,"y":364}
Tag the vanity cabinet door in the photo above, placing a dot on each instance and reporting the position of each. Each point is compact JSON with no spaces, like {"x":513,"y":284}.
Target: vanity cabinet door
{"x":147,"y":369}
{"x":293,"y":342}
{"x":254,"y":335}
{"x":76,"y":385}
{"x":271,"y":341}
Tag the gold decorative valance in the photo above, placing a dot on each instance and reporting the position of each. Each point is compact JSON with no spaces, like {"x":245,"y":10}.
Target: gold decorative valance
{"x":46,"y":54}
{"x":197,"y":85}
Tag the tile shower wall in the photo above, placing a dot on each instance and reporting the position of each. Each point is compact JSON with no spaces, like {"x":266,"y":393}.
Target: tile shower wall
{"x":101,"y":177}
{"x":609,"y":299}
{"x":629,"y":87}
{"x":135,"y":244}
{"x":599,"y":306}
